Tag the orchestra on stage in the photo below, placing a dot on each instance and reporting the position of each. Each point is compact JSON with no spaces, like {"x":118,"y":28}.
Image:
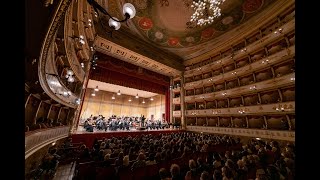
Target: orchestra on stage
{"x":114,"y":123}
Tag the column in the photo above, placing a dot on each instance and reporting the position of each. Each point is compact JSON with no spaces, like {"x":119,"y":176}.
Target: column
{"x":171,"y":102}
{"x":247,"y":121}
{"x":289,"y":122}
{"x":265,"y":121}
{"x":25,"y":105}
{"x":48,"y":111}
{"x":35,"y":117}
{"x":182,"y":94}
{"x":280,"y":95}
{"x":76,"y":118}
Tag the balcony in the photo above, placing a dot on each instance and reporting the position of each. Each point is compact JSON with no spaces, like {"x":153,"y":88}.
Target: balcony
{"x":35,"y":140}
{"x":266,"y":134}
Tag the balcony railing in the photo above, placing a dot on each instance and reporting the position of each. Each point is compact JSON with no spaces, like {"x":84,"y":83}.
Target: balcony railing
{"x":38,"y":139}
{"x":266,"y":134}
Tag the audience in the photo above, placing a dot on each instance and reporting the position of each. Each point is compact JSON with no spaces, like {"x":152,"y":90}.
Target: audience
{"x":230,"y":159}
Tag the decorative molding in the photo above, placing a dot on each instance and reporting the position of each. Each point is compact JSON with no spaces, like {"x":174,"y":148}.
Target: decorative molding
{"x":39,"y":139}
{"x":107,"y":47}
{"x":239,"y":33}
{"x":176,"y":113}
{"x":273,"y":83}
{"x":261,"y":43}
{"x":267,"y":134}
{"x":56,"y":21}
{"x":176,"y":100}
{"x":289,"y":107}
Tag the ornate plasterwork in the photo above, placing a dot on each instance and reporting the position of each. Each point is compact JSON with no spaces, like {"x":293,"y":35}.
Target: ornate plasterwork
{"x":117,"y":51}
{"x":267,"y":134}
{"x":57,"y":19}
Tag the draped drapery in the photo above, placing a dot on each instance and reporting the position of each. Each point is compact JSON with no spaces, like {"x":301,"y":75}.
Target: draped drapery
{"x":115,"y":71}
{"x":118,"y":78}
{"x":113,"y":64}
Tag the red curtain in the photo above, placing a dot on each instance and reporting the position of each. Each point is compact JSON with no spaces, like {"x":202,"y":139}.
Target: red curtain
{"x":167,"y":105}
{"x":118,"y":78}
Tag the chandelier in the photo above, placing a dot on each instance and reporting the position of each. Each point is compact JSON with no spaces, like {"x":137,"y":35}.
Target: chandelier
{"x":205,"y":11}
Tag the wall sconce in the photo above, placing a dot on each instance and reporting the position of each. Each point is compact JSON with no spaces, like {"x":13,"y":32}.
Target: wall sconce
{"x":283,"y":107}
{"x":80,"y":38}
{"x":70,"y":76}
{"x":253,"y":87}
{"x":241,"y":111}
{"x":77,"y":101}
{"x":265,"y":61}
{"x":93,"y":62}
{"x":93,"y":93}
{"x":279,"y":31}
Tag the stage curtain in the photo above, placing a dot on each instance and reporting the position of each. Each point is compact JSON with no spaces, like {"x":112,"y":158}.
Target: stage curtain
{"x":118,"y":78}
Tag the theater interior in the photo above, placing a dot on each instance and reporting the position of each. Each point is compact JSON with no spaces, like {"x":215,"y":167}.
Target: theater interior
{"x":212,"y":87}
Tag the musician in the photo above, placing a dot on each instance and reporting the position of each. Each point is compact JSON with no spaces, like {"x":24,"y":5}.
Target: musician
{"x":142,"y":120}
{"x":88,"y":125}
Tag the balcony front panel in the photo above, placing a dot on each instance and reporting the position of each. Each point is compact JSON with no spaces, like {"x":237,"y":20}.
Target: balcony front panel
{"x":266,"y":134}
{"x":276,"y":108}
{"x":285,"y":80}
{"x":176,"y":100}
{"x":273,"y":59}
{"x":264,"y":41}
{"x":176,"y":113}
{"x":35,"y":140}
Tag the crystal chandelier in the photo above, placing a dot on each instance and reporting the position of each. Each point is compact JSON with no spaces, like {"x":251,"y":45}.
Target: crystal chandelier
{"x":205,"y":11}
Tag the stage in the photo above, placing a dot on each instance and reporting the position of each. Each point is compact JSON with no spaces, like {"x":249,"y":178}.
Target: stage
{"x":82,"y":136}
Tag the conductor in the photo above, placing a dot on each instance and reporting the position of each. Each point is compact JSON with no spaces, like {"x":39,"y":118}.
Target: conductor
{"x":142,"y":120}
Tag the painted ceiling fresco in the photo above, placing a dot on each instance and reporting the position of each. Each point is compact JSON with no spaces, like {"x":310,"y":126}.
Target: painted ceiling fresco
{"x":166,"y":23}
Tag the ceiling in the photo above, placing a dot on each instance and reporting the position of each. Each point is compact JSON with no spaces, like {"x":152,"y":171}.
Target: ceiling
{"x":165,"y":23}
{"x":115,"y":88}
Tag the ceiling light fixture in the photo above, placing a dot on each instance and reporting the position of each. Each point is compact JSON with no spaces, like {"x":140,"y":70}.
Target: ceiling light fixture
{"x":113,"y":97}
{"x":137,"y":96}
{"x":128,"y":10}
{"x":151,"y":99}
{"x":119,"y":93}
{"x":96,"y":89}
{"x":205,"y":11}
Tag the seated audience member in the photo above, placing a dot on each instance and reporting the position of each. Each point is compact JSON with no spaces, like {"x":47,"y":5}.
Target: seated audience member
{"x":126,"y":161}
{"x":217,"y":175}
{"x":107,"y":161}
{"x":164,"y":175}
{"x":119,"y":160}
{"x":175,"y":172}
{"x":204,"y":176}
{"x":151,"y":160}
{"x":193,"y":168}
{"x":140,"y":162}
